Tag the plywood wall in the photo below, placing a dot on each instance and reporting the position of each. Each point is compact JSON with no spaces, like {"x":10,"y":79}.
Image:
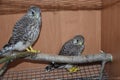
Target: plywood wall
{"x":57,"y":28}
{"x":111,"y":37}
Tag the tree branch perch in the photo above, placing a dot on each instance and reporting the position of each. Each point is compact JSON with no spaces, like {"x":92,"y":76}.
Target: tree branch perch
{"x":103,"y":57}
{"x":59,"y":59}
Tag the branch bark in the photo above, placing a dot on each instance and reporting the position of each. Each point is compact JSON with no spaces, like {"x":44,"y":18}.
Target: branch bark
{"x":103,"y":57}
{"x":60,"y":59}
{"x":73,"y":59}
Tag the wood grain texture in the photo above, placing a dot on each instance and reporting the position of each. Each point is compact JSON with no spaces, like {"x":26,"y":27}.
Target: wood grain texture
{"x":57,"y":28}
{"x":111,"y":38}
{"x":19,"y":6}
{"x":109,"y":3}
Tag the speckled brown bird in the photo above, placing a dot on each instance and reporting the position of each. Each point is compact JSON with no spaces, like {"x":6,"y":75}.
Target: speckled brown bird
{"x":25,"y":31}
{"x":73,"y":47}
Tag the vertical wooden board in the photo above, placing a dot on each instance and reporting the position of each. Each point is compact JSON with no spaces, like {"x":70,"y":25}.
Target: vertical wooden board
{"x":86,"y":23}
{"x":50,"y":37}
{"x":111,"y":37}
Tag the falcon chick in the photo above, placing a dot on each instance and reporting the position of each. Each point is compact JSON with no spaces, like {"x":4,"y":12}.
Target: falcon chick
{"x":73,"y":47}
{"x":25,"y":31}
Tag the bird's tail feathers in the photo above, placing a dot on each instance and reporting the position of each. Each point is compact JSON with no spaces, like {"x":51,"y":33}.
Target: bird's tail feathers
{"x":6,"y":49}
{"x":53,"y":66}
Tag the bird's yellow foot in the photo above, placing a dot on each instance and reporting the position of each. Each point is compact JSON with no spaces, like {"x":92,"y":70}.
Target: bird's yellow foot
{"x":30,"y":49}
{"x":73,"y":69}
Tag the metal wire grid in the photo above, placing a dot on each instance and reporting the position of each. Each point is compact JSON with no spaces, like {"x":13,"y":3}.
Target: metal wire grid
{"x":86,"y":72}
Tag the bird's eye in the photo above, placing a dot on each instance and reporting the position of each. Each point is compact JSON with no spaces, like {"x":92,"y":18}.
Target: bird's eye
{"x":77,"y":40}
{"x":33,"y":13}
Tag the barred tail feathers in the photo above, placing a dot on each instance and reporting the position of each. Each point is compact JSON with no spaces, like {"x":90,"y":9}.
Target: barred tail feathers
{"x":6,"y":49}
{"x":53,"y":66}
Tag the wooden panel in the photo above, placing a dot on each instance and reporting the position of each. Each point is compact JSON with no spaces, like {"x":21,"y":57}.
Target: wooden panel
{"x":57,"y":28}
{"x":13,"y":6}
{"x":109,"y":3}
{"x":86,"y":23}
{"x":111,"y":38}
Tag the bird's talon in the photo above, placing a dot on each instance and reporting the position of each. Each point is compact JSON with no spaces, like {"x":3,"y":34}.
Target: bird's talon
{"x":73,"y":69}
{"x":30,"y":49}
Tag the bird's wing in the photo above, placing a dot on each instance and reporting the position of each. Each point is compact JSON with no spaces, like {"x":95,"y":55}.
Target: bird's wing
{"x":20,"y":30}
{"x":81,"y":49}
{"x":69,"y":49}
{"x":65,"y":50}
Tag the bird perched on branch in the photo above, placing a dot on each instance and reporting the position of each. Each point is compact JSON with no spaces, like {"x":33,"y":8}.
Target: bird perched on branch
{"x":25,"y":32}
{"x":73,"y":47}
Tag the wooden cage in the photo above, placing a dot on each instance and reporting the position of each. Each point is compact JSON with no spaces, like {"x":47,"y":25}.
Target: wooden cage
{"x":96,"y":20}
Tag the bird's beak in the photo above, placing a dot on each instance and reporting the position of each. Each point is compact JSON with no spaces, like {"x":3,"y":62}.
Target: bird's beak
{"x":35,"y":15}
{"x":80,"y":43}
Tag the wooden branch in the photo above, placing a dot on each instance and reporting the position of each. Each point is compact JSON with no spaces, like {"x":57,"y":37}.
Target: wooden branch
{"x":15,"y":55}
{"x":73,"y":59}
{"x":102,"y":70}
{"x":103,"y":57}
{"x":60,"y":59}
{"x":19,"y":6}
{"x":4,"y":68}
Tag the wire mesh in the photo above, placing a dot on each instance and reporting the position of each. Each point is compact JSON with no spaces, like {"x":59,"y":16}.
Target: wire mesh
{"x":86,"y":72}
